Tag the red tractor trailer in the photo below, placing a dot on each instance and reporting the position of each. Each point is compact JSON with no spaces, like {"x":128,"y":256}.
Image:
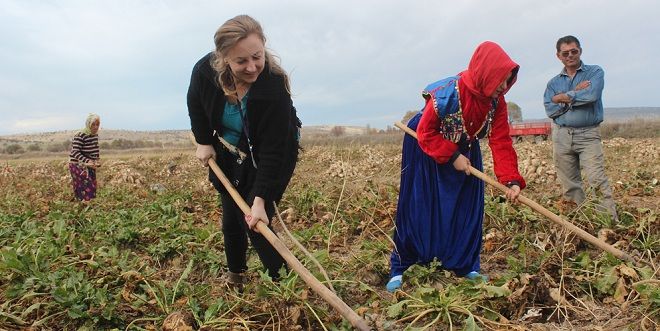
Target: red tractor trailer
{"x":537,"y":130}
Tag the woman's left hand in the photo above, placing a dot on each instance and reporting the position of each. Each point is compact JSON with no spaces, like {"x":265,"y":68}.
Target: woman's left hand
{"x":257,"y":214}
{"x":512,"y":193}
{"x":91,"y":164}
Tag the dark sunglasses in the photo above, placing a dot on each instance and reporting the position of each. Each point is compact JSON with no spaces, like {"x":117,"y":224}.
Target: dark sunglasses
{"x":573,"y":51}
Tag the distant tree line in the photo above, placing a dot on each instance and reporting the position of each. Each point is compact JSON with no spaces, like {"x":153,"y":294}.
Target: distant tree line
{"x":129,"y":144}
{"x":14,"y":149}
{"x":515,"y":113}
{"x":338,"y":130}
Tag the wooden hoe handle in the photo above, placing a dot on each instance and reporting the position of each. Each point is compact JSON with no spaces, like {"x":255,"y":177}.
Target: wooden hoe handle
{"x":291,"y":260}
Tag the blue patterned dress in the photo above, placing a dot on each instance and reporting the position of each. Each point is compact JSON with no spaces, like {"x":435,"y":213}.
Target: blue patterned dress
{"x":440,"y":210}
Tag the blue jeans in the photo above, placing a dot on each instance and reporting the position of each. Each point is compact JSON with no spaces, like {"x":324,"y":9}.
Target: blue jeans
{"x":575,"y":148}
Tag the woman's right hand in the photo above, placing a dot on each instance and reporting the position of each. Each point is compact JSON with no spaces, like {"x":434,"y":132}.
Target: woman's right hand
{"x":204,"y":153}
{"x":462,"y":164}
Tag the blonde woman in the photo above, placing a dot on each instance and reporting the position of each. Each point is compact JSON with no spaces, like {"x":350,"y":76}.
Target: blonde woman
{"x":241,"y":115}
{"x":84,"y":159}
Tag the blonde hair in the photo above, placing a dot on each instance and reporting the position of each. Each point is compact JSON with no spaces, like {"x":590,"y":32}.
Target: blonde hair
{"x":226,"y":37}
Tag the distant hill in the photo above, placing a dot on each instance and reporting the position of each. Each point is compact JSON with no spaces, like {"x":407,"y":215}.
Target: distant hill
{"x":164,"y":137}
{"x":104,"y":135}
{"x":627,"y":113}
{"x":619,"y":114}
{"x":60,"y":141}
{"x":326,"y":129}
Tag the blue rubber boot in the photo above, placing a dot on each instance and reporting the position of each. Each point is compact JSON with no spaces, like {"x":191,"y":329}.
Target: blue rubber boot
{"x":474,"y":275}
{"x":394,"y":283}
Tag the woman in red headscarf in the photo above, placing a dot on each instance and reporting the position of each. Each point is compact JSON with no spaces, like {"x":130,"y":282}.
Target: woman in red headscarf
{"x":441,"y":207}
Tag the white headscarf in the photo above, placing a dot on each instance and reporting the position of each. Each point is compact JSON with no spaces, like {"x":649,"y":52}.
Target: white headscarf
{"x":91,"y":118}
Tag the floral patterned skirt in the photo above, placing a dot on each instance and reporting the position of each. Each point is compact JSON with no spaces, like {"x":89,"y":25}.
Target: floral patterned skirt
{"x":84,"y":181}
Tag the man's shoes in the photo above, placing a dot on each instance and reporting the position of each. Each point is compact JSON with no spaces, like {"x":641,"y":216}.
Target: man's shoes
{"x":394,"y":283}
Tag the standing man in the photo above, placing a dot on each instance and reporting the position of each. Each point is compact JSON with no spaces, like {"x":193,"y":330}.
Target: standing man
{"x":573,"y":100}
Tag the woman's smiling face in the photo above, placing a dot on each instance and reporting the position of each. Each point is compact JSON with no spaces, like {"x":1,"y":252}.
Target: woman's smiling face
{"x":247,"y":59}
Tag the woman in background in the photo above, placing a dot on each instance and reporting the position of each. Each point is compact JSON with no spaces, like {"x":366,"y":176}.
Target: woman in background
{"x":84,"y":159}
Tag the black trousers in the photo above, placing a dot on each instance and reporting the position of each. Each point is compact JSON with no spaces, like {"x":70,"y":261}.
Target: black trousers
{"x":236,"y":231}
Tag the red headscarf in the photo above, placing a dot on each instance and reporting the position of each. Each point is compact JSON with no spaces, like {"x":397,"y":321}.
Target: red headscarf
{"x":488,"y":68}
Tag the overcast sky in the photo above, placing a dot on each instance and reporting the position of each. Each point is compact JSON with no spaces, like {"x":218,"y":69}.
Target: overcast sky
{"x":351,"y":62}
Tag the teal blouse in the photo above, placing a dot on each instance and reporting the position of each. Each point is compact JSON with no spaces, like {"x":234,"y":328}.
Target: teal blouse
{"x":232,"y":123}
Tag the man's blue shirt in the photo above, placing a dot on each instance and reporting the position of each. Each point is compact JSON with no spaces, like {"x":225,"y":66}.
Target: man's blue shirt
{"x":586,"y":107}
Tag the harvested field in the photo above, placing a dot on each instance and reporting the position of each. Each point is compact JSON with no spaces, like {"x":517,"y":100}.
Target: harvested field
{"x":147,"y":254}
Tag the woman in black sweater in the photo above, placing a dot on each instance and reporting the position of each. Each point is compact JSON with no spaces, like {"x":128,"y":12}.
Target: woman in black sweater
{"x":241,"y":113}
